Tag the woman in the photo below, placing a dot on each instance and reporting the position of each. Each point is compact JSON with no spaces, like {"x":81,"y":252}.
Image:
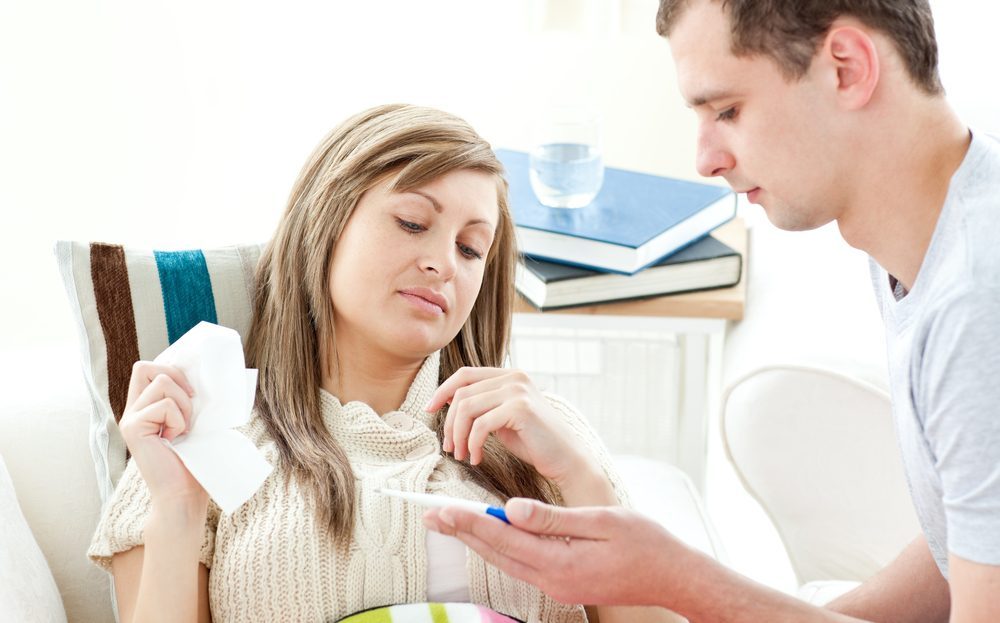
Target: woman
{"x":390,"y":272}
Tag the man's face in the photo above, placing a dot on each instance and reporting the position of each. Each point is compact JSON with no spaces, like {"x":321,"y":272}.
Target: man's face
{"x":768,"y":137}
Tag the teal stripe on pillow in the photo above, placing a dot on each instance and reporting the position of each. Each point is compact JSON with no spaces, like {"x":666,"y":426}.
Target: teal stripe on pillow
{"x":187,"y":290}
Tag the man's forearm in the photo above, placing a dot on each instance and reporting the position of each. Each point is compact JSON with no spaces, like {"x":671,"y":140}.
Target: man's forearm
{"x":711,"y":592}
{"x":910,"y":589}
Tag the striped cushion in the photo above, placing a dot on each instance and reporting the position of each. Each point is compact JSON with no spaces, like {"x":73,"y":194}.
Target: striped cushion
{"x":131,"y":304}
{"x":429,"y":613}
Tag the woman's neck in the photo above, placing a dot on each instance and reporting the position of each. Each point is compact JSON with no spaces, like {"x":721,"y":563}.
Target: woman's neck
{"x":379,"y":380}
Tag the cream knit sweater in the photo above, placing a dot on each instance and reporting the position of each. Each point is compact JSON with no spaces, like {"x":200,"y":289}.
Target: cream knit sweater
{"x":268,"y":561}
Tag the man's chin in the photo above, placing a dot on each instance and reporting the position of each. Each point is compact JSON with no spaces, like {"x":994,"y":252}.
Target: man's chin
{"x":791,"y":220}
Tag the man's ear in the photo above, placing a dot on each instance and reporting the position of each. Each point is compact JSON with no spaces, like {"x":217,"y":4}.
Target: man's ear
{"x":852,"y":53}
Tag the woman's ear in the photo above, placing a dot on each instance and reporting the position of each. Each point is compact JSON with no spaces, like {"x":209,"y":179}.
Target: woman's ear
{"x":853,"y":55}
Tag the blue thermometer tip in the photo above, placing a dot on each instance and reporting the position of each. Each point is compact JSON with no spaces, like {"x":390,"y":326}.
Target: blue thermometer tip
{"x":497,"y":512}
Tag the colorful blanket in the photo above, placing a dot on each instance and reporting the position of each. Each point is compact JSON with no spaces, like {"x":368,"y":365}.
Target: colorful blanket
{"x":430,"y":613}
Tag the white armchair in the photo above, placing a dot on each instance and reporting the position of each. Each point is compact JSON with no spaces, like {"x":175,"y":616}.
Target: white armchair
{"x":816,"y":449}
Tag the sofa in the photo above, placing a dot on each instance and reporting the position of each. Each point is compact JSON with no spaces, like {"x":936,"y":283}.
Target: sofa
{"x":44,"y":418}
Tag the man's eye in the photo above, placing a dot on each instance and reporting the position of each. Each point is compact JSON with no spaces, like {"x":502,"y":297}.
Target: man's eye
{"x":727,"y":115}
{"x":410,"y":227}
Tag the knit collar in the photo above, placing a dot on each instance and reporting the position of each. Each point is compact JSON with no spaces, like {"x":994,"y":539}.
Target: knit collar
{"x":363,"y":431}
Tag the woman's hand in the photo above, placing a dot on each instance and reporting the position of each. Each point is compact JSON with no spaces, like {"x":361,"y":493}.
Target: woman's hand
{"x":159,"y":408}
{"x":507,"y":403}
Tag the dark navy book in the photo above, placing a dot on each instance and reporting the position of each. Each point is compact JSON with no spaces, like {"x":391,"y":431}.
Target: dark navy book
{"x":704,"y":265}
{"x":635,"y":220}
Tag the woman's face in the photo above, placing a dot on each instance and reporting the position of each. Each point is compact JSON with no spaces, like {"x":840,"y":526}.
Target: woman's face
{"x":408,"y":266}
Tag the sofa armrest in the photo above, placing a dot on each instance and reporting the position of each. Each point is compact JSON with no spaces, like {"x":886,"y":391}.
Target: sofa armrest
{"x":665,"y":493}
{"x":44,"y":417}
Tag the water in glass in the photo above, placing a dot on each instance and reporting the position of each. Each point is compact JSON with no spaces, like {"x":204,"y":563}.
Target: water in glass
{"x":566,"y":175}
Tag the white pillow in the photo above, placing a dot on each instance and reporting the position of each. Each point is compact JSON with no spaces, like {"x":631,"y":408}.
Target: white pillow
{"x":28,"y":592}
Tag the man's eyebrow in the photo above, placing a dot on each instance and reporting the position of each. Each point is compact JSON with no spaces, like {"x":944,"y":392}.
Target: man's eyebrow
{"x":710,"y":96}
{"x":439,"y":209}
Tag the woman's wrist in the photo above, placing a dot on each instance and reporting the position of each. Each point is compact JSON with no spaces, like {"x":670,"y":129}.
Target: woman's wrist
{"x":586,"y":485}
{"x":177,"y":518}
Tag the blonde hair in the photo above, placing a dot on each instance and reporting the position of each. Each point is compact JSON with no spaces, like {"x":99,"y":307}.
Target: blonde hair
{"x":293,"y":313}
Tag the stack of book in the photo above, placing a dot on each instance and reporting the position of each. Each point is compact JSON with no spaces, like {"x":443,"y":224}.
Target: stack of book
{"x":642,"y":236}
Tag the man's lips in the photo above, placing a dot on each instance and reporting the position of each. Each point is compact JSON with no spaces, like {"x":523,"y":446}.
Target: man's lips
{"x":427,"y":298}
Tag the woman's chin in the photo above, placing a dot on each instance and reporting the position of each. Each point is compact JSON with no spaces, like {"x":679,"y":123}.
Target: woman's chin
{"x":415,"y":344}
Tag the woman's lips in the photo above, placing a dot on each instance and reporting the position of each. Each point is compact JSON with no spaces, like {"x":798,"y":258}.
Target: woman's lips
{"x":423,"y":304}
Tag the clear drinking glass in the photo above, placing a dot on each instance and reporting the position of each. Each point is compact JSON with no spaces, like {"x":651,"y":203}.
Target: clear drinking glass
{"x":566,"y":167}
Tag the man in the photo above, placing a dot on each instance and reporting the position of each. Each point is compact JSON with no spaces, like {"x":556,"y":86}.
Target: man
{"x":826,"y":110}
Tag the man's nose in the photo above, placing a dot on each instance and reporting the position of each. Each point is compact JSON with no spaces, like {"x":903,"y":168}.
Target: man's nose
{"x":713,"y":158}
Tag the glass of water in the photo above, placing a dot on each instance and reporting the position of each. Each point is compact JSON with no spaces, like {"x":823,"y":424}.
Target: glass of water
{"x":566,"y":167}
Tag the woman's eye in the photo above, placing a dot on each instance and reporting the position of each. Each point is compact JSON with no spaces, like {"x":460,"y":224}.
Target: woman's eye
{"x":727,"y":115}
{"x":469,"y":252}
{"x":410,"y":227}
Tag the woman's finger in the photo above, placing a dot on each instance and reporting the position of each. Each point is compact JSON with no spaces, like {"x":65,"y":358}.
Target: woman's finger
{"x":491,"y":421}
{"x":466,"y":411}
{"x":464,"y":376}
{"x":144,"y":372}
{"x":163,"y":386}
{"x":162,"y":418}
{"x":461,"y":395}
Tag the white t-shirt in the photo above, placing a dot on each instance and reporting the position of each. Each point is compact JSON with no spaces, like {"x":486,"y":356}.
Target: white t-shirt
{"x":447,"y":575}
{"x":943,"y":339}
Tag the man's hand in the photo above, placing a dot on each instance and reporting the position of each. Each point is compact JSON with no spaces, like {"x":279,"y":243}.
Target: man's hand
{"x":580,"y":555}
{"x":612,"y":556}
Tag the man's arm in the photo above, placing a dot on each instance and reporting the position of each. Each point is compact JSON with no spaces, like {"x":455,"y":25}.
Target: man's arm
{"x":614,"y":556}
{"x":910,"y":589}
{"x":975,"y":591}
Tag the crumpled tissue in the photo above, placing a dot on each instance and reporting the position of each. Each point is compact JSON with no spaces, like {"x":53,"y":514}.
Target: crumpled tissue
{"x":222,"y":459}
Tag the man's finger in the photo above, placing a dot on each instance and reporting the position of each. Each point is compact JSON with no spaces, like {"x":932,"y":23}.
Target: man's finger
{"x":581,"y":523}
{"x":513,"y":543}
{"x":508,"y":565}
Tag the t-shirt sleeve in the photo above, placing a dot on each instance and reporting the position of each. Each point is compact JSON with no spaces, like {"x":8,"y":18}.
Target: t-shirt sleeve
{"x":121,"y":524}
{"x":959,"y":392}
{"x":586,"y":434}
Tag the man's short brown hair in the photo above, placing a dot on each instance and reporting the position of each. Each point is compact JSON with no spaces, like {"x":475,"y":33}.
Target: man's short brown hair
{"x":790,"y":31}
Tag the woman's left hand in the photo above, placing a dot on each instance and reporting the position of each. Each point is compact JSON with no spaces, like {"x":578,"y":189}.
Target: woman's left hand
{"x":507,"y":403}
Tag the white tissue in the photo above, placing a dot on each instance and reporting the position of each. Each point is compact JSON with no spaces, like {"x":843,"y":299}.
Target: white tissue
{"x":226,"y":463}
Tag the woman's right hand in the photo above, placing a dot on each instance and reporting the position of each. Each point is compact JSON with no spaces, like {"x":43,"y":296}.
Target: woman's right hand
{"x":159,"y":408}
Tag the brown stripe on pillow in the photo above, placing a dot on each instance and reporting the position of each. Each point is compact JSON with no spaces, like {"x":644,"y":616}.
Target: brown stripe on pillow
{"x":114,"y":308}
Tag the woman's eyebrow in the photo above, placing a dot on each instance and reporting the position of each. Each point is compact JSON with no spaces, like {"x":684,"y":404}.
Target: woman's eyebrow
{"x":439,"y":208}
{"x":434,"y":202}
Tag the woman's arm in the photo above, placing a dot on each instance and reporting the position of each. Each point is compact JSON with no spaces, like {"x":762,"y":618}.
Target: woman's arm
{"x":163,"y":580}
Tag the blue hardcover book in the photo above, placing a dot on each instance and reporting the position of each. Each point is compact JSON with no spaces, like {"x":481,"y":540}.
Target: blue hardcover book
{"x":704,"y":265}
{"x":635,"y":221}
